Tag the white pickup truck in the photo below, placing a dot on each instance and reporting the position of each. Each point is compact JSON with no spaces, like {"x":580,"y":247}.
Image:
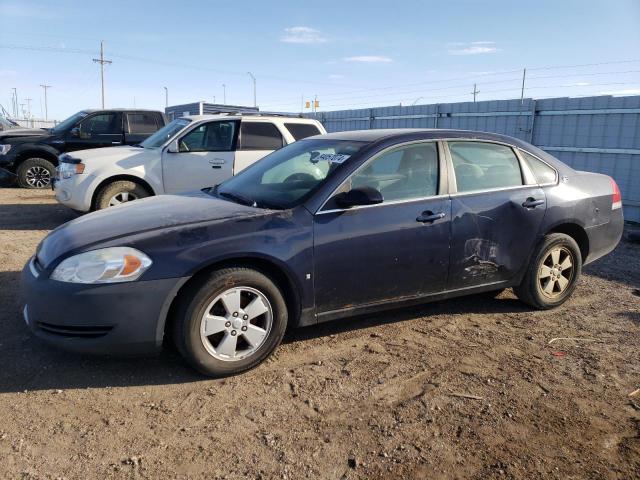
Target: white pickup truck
{"x":190,"y":153}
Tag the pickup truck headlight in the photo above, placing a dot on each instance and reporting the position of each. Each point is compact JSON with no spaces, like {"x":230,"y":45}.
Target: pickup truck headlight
{"x":106,"y":265}
{"x":4,"y":149}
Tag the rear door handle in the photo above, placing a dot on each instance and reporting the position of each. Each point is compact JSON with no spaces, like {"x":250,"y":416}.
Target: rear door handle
{"x":532,"y":203}
{"x":429,"y":217}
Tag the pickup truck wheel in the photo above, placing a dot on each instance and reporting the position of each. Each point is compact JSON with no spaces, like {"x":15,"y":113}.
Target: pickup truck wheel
{"x":120,"y":191}
{"x":230,"y":321}
{"x":35,"y":173}
{"x":553,"y":273}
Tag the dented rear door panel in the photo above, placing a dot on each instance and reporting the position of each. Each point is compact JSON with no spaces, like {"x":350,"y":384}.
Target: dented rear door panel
{"x":492,"y":235}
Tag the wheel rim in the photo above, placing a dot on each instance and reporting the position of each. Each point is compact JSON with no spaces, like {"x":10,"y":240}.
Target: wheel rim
{"x":38,"y":177}
{"x":122,"y":197}
{"x":556,"y":272}
{"x":236,"y":323}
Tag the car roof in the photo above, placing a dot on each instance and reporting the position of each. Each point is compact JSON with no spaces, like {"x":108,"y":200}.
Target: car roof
{"x":244,"y":116}
{"x":93,"y":110}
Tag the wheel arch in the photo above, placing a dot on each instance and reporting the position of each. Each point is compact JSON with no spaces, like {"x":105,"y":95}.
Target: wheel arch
{"x":36,"y":152}
{"x":115,"y":178}
{"x":270,"y":267}
{"x":577,"y":232}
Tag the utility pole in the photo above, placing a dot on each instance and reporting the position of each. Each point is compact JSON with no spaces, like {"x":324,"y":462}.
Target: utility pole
{"x":255,"y":104}
{"x":15,"y":103}
{"x":524,"y":76}
{"x":224,"y":94}
{"x":475,"y":92}
{"x":166,"y":97}
{"x":46,"y":111}
{"x":28,"y":100}
{"x":102,"y":63}
{"x":315,"y":103}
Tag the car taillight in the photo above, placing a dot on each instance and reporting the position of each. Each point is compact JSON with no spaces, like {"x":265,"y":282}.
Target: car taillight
{"x":616,"y":198}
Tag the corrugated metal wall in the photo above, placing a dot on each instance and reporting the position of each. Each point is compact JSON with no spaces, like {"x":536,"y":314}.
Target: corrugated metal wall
{"x":598,"y":134}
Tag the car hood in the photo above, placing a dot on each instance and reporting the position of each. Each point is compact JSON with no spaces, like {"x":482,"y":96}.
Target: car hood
{"x":154,"y":213}
{"x":107,"y":153}
{"x":18,"y":135}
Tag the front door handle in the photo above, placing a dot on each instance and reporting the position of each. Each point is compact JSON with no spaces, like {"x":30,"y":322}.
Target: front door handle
{"x":532,"y":203}
{"x":429,"y":217}
{"x":217,"y":161}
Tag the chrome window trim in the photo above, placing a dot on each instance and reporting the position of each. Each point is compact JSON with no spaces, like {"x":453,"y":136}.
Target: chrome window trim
{"x":441,"y":177}
{"x":528,"y":178}
{"x":548,"y":184}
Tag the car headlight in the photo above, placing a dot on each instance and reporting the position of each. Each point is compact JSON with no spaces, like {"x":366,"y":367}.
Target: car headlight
{"x":4,"y":149}
{"x":107,"y":265}
{"x":68,"y":169}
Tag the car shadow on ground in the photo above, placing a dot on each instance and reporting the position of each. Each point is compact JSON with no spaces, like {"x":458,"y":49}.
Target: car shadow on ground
{"x":29,"y":364}
{"x":34,"y":216}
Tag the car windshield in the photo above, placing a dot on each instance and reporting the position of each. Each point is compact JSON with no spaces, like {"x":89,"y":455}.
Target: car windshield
{"x":286,"y":177}
{"x":165,"y":133}
{"x":69,"y":122}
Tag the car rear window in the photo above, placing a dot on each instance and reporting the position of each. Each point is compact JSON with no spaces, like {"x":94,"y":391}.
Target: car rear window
{"x":484,"y":166}
{"x":260,"y":136}
{"x":302,"y":130}
{"x":543,"y":172}
{"x":142,"y":122}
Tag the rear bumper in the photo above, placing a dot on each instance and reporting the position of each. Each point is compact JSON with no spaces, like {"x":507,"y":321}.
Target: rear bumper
{"x":604,"y":238}
{"x":120,"y":319}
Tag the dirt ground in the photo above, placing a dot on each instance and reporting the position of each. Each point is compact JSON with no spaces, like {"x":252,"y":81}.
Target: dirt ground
{"x":468,"y":388}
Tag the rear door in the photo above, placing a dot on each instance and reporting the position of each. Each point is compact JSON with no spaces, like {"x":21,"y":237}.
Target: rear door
{"x":205,"y":157}
{"x":139,"y":125}
{"x":496,"y":211}
{"x":257,"y":139}
{"x":96,"y":130}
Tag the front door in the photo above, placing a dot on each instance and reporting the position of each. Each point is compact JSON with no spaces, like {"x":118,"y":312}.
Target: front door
{"x":495,"y":215}
{"x":204,"y":159}
{"x":96,"y":131}
{"x":393,"y":250}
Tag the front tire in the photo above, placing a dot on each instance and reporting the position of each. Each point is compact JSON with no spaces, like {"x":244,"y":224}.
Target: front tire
{"x":230,"y":321}
{"x":35,"y":173}
{"x":553,"y":273}
{"x":120,"y":191}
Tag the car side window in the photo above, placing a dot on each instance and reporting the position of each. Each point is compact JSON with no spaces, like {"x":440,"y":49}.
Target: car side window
{"x":543,"y":172}
{"x":141,"y":123}
{"x":484,"y":166}
{"x":302,"y":130}
{"x":210,"y":137}
{"x":101,"y":124}
{"x":260,"y":136}
{"x":403,"y":173}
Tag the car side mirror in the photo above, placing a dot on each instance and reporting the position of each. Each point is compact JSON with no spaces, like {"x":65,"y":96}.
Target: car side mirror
{"x":75,"y":132}
{"x":359,"y":196}
{"x":173,"y":147}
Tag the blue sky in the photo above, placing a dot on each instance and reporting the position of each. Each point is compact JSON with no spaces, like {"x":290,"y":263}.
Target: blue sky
{"x":351,"y":54}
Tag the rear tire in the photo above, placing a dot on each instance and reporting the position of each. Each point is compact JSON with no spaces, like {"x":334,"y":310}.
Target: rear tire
{"x":230,"y":321}
{"x":120,"y":191}
{"x":553,"y":273}
{"x":35,"y":173}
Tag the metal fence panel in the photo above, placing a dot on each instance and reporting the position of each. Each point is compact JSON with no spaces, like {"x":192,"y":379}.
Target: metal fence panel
{"x":597,"y":134}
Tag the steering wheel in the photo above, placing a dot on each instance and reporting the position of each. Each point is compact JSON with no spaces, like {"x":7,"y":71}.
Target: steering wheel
{"x":300,"y":177}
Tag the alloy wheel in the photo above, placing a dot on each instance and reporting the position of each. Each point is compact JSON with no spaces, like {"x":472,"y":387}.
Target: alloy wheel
{"x":236,"y":323}
{"x":38,"y":177}
{"x":556,"y":272}
{"x":122,"y":197}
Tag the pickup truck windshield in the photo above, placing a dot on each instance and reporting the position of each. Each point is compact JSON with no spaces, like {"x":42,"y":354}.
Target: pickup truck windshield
{"x":69,"y":122}
{"x":287,"y":176}
{"x":165,"y":133}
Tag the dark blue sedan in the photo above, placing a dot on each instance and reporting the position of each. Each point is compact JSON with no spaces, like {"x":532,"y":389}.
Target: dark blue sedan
{"x":325,"y":228}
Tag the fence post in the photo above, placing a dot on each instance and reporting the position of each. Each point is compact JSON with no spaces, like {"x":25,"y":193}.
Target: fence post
{"x":533,"y":120}
{"x":435,"y":119}
{"x":371,"y":119}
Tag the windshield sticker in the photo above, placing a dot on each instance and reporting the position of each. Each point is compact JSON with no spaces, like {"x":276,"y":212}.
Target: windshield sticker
{"x":332,"y":158}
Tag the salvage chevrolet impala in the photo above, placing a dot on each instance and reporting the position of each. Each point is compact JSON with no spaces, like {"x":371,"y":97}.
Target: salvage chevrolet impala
{"x":325,"y":228}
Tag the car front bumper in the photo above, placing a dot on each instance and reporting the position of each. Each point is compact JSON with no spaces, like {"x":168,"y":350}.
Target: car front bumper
{"x":74,"y":192}
{"x":120,"y":318}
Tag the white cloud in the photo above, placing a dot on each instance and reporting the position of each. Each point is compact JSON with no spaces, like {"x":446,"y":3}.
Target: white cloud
{"x":577,"y":84}
{"x":368,"y":59}
{"x":622,"y":93}
{"x":472,"y":48}
{"x":302,"y":35}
